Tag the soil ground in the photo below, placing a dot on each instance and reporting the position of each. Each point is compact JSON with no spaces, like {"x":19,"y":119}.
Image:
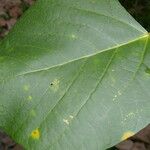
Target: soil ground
{"x":10,"y":12}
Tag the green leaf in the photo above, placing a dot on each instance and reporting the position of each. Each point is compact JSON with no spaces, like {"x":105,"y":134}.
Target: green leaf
{"x":74,"y":75}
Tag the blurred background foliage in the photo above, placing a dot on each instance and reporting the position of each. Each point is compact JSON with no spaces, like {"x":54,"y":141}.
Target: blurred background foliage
{"x":140,"y":10}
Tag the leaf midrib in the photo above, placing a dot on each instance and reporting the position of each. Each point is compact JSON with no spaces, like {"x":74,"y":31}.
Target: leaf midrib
{"x":87,"y":56}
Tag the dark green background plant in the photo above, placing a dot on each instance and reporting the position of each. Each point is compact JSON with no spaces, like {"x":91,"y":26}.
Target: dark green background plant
{"x":140,"y":10}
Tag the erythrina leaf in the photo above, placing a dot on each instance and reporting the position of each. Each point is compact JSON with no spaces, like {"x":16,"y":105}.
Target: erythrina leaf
{"x":74,"y":75}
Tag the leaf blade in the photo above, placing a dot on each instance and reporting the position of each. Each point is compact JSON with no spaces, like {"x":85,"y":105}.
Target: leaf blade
{"x":69,"y":88}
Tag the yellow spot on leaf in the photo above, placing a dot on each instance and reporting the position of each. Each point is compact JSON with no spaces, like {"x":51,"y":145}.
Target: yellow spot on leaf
{"x":66,"y":121}
{"x":119,"y":93}
{"x":29,"y":98}
{"x":113,"y":99}
{"x":71,"y":116}
{"x":55,"y":85}
{"x":130,"y":114}
{"x":73,"y":36}
{"x":26,"y":87}
{"x":126,"y":135}
{"x":35,"y":134}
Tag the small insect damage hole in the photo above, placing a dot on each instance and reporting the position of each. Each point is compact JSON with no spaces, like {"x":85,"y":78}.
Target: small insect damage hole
{"x":35,"y":134}
{"x":52,"y":84}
